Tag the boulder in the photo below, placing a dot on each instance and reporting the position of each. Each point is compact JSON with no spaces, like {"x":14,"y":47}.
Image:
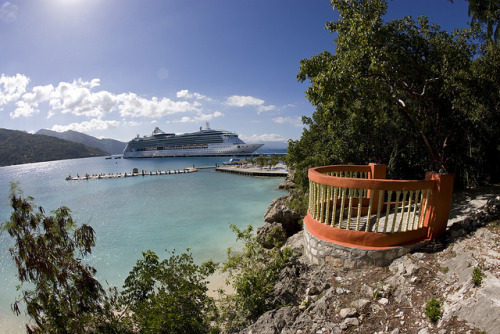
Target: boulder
{"x":279,"y":212}
{"x":271,"y":235}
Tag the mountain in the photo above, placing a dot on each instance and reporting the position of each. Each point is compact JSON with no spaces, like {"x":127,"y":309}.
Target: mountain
{"x":18,"y":147}
{"x":108,"y":145}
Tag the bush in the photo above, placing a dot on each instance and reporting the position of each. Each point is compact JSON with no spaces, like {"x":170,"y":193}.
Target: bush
{"x":59,"y":290}
{"x":254,"y":272}
{"x":170,"y":296}
{"x":433,"y":310}
{"x":477,"y":276}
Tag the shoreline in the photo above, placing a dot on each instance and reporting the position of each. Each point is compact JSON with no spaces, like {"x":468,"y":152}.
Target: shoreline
{"x":218,"y":281}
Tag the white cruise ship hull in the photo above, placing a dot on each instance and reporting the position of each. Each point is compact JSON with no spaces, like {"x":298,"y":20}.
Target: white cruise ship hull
{"x":211,"y":150}
{"x":206,"y":142}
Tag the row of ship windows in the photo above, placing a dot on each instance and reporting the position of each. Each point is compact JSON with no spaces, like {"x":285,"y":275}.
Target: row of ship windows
{"x":172,"y":148}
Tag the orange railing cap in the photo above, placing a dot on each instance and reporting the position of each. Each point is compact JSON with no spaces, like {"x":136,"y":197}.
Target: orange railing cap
{"x":376,"y":184}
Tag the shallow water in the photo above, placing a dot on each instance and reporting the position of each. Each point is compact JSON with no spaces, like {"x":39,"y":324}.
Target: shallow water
{"x":134,"y":214}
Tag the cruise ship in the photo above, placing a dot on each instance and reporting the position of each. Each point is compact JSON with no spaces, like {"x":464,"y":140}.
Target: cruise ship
{"x":206,"y":142}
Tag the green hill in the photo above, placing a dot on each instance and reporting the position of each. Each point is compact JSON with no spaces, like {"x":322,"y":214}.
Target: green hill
{"x":18,"y":147}
{"x":109,"y":145}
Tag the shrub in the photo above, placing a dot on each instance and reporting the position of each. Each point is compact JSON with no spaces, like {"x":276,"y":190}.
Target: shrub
{"x":433,"y":310}
{"x":477,"y":276}
{"x":253,"y":272}
{"x":59,"y":290}
{"x":169,"y":296}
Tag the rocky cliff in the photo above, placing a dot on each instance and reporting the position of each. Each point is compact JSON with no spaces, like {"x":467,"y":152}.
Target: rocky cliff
{"x":461,"y":270}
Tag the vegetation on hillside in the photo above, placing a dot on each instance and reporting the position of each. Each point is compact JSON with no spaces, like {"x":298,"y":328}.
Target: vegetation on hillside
{"x":18,"y":147}
{"x":108,"y":145}
{"x":404,"y":93}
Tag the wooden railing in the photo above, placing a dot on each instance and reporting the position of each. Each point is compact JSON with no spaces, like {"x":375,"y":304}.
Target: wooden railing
{"x":357,"y":206}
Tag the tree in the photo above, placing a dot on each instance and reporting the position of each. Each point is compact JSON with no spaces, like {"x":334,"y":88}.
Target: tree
{"x":262,"y":161}
{"x":393,"y":92}
{"x":253,"y":273}
{"x":274,"y":160}
{"x":486,"y":17}
{"x":60,"y":292}
{"x":169,"y":296}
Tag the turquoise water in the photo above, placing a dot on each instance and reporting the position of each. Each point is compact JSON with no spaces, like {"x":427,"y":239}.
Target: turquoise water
{"x":132,"y":215}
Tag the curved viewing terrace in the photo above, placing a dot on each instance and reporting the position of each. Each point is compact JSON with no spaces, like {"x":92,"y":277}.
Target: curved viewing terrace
{"x":356,"y":206}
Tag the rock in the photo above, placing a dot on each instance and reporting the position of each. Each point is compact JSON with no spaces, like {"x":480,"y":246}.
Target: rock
{"x":348,"y":312}
{"x":349,"y":322}
{"x":287,"y":184}
{"x":271,"y":235}
{"x":383,"y":301}
{"x":279,"y":212}
{"x":360,"y":303}
{"x":273,"y":322}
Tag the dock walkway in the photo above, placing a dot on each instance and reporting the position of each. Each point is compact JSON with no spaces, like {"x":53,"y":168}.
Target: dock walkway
{"x":135,"y":172}
{"x":280,"y":171}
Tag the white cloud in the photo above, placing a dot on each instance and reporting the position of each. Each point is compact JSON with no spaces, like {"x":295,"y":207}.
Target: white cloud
{"x":23,"y":109}
{"x":134,"y":106}
{"x":270,"y":137}
{"x":185,"y":94}
{"x":243,"y":101}
{"x":87,"y":126}
{"x":12,"y":87}
{"x":38,"y":95}
{"x":295,"y":121}
{"x":200,"y":117}
{"x":78,"y":99}
{"x":261,"y":109}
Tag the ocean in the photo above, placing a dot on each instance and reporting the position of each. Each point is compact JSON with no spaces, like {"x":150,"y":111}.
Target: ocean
{"x":135,"y":214}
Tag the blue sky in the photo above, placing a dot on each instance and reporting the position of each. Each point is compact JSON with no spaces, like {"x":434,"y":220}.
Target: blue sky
{"x":118,"y":68}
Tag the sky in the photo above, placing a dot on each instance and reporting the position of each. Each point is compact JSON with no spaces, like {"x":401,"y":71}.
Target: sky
{"x":119,"y":68}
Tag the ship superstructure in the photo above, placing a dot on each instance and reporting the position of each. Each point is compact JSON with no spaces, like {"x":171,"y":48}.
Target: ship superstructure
{"x":206,"y":142}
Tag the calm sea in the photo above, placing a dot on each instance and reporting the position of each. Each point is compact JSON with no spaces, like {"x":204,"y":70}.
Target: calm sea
{"x":132,"y":215}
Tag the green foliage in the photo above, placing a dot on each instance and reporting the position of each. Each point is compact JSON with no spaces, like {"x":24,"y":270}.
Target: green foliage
{"x":253,"y":273}
{"x":404,"y":93}
{"x":274,"y":160}
{"x":433,"y":310}
{"x":60,"y":292}
{"x":169,"y":296}
{"x":17,"y":147}
{"x":275,"y":237}
{"x":262,"y":161}
{"x":477,"y":276}
{"x":486,"y":16}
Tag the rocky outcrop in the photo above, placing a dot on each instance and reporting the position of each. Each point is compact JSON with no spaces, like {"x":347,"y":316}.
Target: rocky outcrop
{"x":281,"y":223}
{"x":322,"y":299}
{"x":280,"y":212}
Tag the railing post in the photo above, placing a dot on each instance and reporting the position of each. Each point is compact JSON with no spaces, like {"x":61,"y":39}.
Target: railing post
{"x":438,"y":208}
{"x":376,"y":172}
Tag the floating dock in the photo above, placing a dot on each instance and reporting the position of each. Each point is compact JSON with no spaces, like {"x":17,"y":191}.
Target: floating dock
{"x":135,"y":172}
{"x":280,"y":171}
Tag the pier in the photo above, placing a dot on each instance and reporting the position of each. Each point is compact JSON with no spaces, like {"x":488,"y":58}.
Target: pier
{"x":279,"y":171}
{"x":135,"y":172}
